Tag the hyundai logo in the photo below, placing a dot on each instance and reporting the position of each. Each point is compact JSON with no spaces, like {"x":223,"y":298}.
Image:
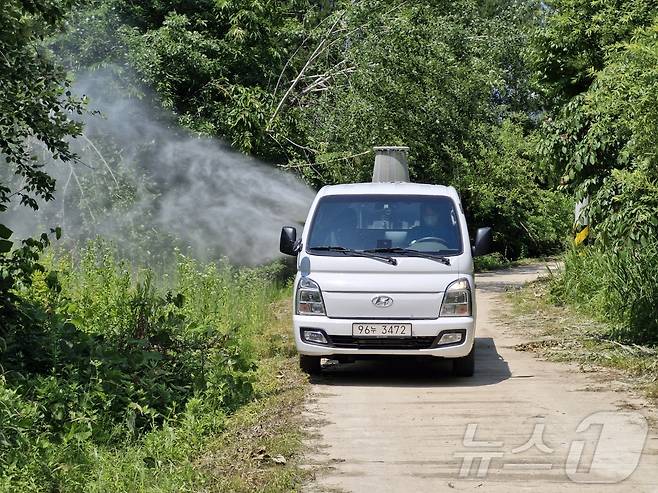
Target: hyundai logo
{"x":382,"y":301}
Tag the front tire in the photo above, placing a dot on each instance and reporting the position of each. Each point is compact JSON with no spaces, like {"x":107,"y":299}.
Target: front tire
{"x":310,"y":364}
{"x":464,"y":366}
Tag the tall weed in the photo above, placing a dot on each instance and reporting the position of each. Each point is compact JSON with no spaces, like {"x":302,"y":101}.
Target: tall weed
{"x":114,"y":374}
{"x":619,"y":287}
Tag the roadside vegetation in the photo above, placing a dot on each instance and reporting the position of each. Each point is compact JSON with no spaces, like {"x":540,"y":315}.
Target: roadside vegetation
{"x":597,"y":64}
{"x":572,"y":333}
{"x":616,"y":287}
{"x":118,"y":380}
{"x":311,"y":86}
{"x":120,"y":375}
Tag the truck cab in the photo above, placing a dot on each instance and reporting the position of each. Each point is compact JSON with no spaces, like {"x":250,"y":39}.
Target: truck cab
{"x":385,"y":269}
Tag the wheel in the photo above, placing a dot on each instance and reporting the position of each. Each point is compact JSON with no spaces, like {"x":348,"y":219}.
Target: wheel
{"x":464,"y":366}
{"x":310,"y":364}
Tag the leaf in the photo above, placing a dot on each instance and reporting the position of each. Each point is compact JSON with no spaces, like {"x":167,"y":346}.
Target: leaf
{"x":5,"y":246}
{"x":5,"y":232}
{"x":52,"y":281}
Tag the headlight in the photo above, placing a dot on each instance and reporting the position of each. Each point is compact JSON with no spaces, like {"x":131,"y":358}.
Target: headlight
{"x":457,"y":299}
{"x":309,"y":298}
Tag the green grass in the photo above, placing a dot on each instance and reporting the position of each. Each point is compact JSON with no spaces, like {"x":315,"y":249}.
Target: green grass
{"x":492,"y":261}
{"x":567,"y":333}
{"x":242,"y":458}
{"x":116,"y":379}
{"x":617,"y":286}
{"x":496,"y":261}
{"x":249,"y":456}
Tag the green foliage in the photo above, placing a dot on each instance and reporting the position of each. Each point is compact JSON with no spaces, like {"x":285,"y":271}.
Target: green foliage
{"x":313,"y":84}
{"x":575,"y":37}
{"x":215,"y":63}
{"x":422,"y":75}
{"x":17,"y":269}
{"x":503,"y":191}
{"x":617,"y":287}
{"x":603,"y":139}
{"x":448,"y":83}
{"x":35,"y":109}
{"x":625,"y":210}
{"x":597,"y":62}
{"x":108,"y":359}
{"x":625,"y":205}
{"x":490,"y":262}
{"x":35,"y":102}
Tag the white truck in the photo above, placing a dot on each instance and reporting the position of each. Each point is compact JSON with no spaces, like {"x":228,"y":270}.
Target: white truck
{"x":385,"y":269}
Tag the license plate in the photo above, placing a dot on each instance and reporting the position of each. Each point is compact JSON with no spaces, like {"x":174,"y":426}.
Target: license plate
{"x":381,"y":330}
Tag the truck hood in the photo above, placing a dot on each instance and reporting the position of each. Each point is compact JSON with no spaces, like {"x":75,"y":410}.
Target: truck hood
{"x":354,"y":274}
{"x":349,"y":284}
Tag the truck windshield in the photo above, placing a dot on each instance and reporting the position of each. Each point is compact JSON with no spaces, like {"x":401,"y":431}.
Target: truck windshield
{"x":421,"y":223}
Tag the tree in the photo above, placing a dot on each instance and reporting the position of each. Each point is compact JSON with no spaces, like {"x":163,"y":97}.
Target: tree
{"x":597,"y":62}
{"x":313,"y":85}
{"x":35,"y":101}
{"x":574,"y":38}
{"x":36,"y":108}
{"x":449,"y":80}
{"x":214,"y":63}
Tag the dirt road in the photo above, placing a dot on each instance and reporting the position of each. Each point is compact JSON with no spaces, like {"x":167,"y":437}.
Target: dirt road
{"x":410,"y":426}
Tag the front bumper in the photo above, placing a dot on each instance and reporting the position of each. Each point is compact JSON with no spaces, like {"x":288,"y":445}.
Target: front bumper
{"x":428,"y":330}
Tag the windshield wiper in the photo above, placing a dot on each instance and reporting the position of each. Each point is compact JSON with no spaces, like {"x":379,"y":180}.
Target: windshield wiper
{"x":356,"y":253}
{"x":412,"y":253}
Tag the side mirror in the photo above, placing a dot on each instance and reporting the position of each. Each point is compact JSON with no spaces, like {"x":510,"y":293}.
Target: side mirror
{"x":482,"y":242}
{"x":288,"y":242}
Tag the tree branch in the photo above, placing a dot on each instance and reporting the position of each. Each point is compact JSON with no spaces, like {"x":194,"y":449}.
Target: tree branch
{"x":308,"y":63}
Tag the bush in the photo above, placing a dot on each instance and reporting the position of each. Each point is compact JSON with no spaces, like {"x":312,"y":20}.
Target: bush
{"x":491,"y":261}
{"x":619,"y":287}
{"x":503,"y":189}
{"x":105,"y":360}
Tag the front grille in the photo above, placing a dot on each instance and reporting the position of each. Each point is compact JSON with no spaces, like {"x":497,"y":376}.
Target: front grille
{"x":382,"y":343}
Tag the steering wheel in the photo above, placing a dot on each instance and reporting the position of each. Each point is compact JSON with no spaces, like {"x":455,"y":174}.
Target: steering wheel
{"x":427,"y":239}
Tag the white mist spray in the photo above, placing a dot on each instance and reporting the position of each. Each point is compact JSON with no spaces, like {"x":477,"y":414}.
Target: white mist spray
{"x":142,"y":177}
